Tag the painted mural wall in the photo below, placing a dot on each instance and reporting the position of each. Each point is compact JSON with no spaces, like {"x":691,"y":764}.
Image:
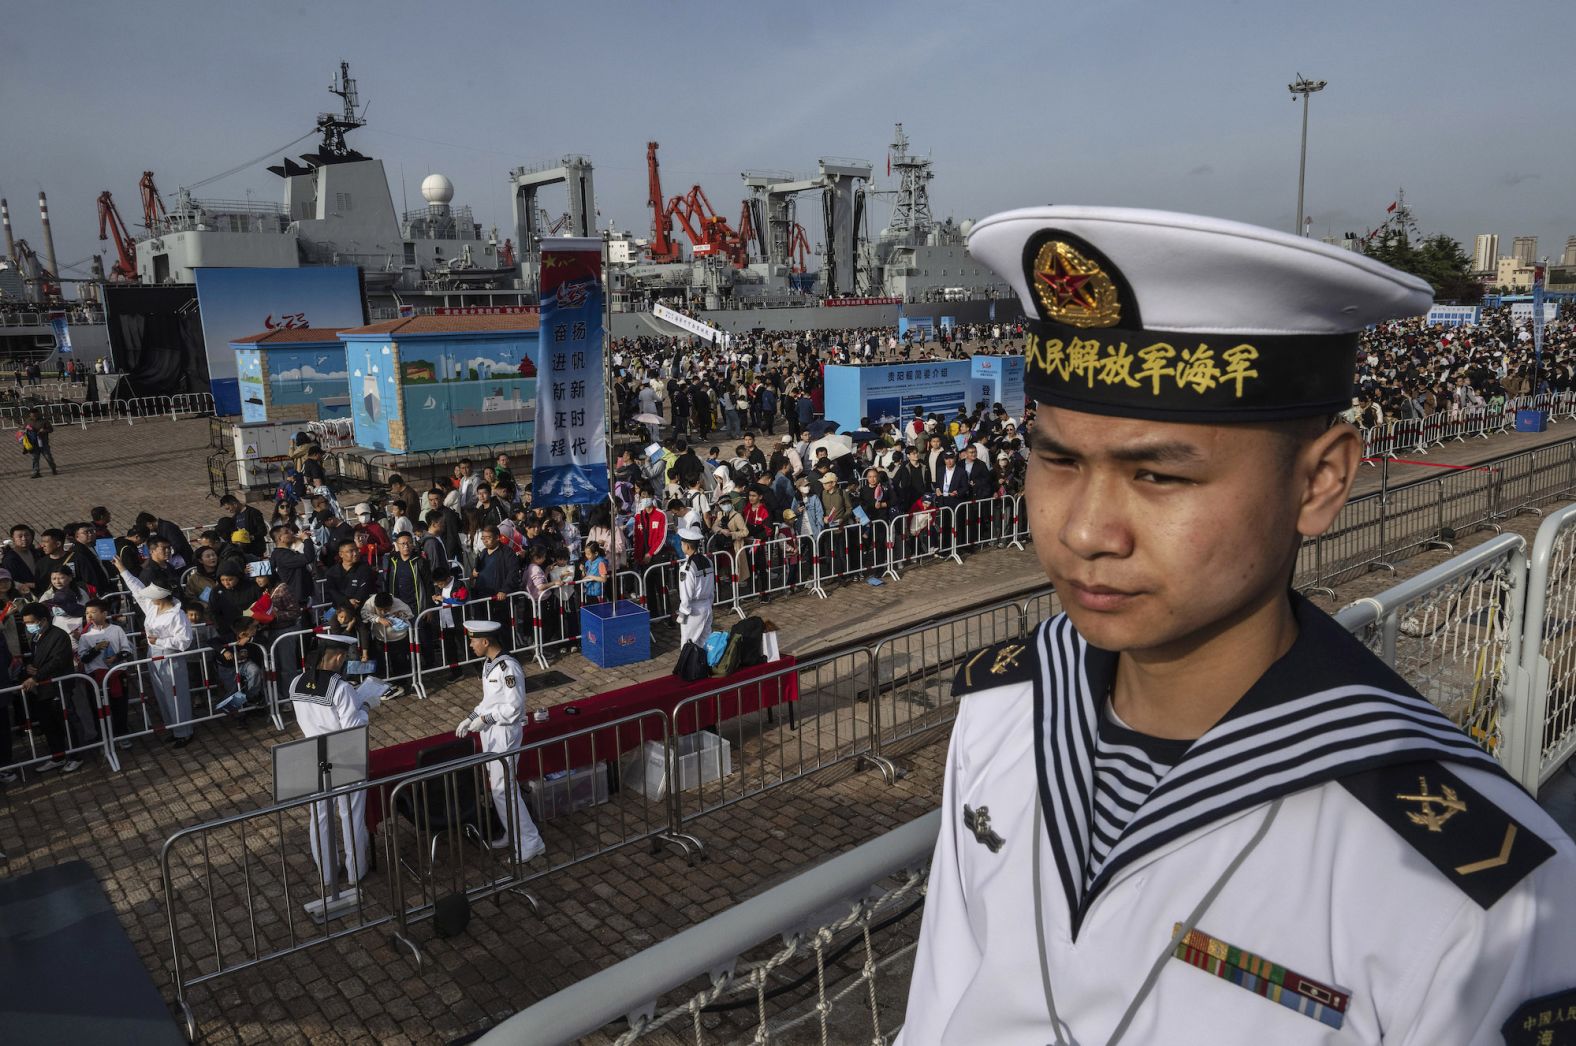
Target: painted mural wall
{"x":374,"y":395}
{"x":468,"y":391}
{"x":249,"y":378}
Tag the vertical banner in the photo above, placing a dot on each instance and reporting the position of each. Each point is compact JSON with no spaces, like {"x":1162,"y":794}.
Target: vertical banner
{"x":57,"y":323}
{"x":1537,"y":329}
{"x":569,"y":464}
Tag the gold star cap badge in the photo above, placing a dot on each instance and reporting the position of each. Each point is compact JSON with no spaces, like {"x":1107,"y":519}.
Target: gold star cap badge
{"x":1073,"y":289}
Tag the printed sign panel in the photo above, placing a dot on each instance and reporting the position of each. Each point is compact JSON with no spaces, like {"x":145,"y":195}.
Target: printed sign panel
{"x":236,"y":303}
{"x":893,"y":391}
{"x":1453,"y":315}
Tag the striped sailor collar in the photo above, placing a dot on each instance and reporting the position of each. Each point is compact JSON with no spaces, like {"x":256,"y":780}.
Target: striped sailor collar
{"x":1327,"y":709}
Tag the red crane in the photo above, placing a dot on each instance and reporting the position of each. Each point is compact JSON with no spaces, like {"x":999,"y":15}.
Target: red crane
{"x":662,"y":248}
{"x":798,"y":249}
{"x":153,"y":212}
{"x":708,"y":232}
{"x":111,"y":225}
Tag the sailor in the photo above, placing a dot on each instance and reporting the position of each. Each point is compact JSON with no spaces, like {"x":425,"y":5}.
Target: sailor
{"x":324,"y":701}
{"x":500,"y":719}
{"x":697,"y":589}
{"x":169,"y":634}
{"x":1192,"y":808}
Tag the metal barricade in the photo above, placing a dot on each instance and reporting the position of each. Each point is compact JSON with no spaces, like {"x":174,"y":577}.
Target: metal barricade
{"x":912,"y":671}
{"x":1548,"y":650}
{"x":74,"y":704}
{"x":444,"y":646}
{"x":202,"y":689}
{"x":234,"y":890}
{"x":767,"y":569}
{"x":441,"y":818}
{"x":916,"y":536}
{"x":740,"y":739}
{"x":1452,"y":632}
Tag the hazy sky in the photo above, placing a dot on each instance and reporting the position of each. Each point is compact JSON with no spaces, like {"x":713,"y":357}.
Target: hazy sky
{"x":1179,"y":104}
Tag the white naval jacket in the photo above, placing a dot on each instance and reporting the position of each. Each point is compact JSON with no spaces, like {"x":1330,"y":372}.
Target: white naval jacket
{"x":502,"y":708}
{"x":1409,"y":934}
{"x":324,"y":702}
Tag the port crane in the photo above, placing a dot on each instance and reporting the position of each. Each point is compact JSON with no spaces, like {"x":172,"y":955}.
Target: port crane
{"x":44,"y":282}
{"x":112,"y":227}
{"x":708,"y":232}
{"x":154,"y":216}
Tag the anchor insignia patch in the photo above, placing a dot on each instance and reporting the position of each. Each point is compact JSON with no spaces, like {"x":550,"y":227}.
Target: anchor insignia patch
{"x":978,"y":822}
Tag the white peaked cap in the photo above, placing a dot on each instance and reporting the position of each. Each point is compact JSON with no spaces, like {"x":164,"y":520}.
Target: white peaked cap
{"x":1178,"y":317}
{"x":1212,"y":276}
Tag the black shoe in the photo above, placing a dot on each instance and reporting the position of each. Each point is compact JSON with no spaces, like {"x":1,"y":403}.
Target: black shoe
{"x":35,"y":476}
{"x":182,"y":742}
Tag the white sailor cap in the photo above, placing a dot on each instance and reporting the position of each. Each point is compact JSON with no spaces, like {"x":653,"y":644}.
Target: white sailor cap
{"x":482,"y":627}
{"x":155,"y":592}
{"x":336,"y":638}
{"x":691,"y":534}
{"x":1177,"y":317}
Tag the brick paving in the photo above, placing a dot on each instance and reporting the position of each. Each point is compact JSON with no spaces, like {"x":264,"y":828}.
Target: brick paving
{"x":364,"y":988}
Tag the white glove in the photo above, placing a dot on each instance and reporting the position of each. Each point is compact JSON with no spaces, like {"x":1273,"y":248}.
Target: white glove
{"x":467,"y":726}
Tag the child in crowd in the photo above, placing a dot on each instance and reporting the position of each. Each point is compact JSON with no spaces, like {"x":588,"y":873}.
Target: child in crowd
{"x":102,"y":646}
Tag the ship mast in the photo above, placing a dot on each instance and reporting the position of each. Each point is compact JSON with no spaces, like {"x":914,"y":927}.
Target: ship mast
{"x":911,"y":218}
{"x":334,"y":126}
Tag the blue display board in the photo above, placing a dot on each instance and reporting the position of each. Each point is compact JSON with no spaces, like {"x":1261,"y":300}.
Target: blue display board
{"x":895,"y":390}
{"x":997,"y":379}
{"x":239,"y":302}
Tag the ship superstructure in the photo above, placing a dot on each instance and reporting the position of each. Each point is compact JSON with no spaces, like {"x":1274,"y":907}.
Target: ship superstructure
{"x":336,"y":210}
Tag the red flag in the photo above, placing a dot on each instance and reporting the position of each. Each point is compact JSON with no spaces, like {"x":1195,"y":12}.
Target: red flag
{"x":889,"y":165}
{"x":1391,"y":209}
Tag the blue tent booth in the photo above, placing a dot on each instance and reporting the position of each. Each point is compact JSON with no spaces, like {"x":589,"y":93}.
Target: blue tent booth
{"x":292,"y":374}
{"x":437,"y":382}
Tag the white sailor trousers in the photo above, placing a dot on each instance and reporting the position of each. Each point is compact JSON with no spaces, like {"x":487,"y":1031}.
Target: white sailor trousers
{"x":353,"y":842}
{"x":172,"y":690}
{"x":501,"y":780}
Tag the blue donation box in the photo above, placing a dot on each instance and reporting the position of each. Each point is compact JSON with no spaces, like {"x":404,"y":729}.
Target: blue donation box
{"x":610,"y":637}
{"x":1531,"y":420}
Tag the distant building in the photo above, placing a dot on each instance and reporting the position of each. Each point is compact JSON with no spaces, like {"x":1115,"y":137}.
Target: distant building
{"x":1524,"y":249}
{"x":1513,"y":274}
{"x":1485,"y":252}
{"x":1561,"y":277}
{"x":1570,"y":252}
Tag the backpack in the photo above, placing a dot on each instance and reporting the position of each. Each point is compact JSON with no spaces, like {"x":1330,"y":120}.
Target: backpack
{"x":286,"y":607}
{"x":747,"y":635}
{"x":729,"y":662}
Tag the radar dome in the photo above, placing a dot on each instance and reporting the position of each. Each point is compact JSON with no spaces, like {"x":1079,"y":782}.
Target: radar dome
{"x":967,"y":226}
{"x":435,"y":188}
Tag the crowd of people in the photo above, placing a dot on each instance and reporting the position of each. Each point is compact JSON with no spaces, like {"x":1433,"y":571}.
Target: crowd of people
{"x":740,"y":462}
{"x":1407,"y":369}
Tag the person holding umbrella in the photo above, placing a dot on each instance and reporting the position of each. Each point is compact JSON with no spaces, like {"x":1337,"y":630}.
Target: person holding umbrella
{"x":697,"y":589}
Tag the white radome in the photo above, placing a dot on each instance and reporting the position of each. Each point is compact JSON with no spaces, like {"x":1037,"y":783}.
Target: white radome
{"x":435,"y":188}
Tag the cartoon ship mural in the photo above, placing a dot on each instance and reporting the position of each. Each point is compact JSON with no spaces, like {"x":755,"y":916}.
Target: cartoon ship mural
{"x":496,"y":410}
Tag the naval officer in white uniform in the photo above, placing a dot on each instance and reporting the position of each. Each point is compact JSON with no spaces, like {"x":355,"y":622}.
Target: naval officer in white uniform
{"x":1192,"y":809}
{"x":500,"y":719}
{"x":697,"y":589}
{"x":324,"y":702}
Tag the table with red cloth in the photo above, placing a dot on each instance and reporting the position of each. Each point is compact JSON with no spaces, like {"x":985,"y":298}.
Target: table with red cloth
{"x":749,"y":690}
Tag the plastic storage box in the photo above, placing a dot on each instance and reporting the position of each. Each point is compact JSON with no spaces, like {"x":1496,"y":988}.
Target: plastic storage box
{"x":701,"y":758}
{"x":567,"y":791}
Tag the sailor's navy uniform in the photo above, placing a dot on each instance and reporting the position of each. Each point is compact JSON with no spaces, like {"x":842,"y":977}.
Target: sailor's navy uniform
{"x":1398,"y":886}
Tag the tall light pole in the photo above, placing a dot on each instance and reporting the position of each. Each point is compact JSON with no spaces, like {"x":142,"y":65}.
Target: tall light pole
{"x":1304,"y":87}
